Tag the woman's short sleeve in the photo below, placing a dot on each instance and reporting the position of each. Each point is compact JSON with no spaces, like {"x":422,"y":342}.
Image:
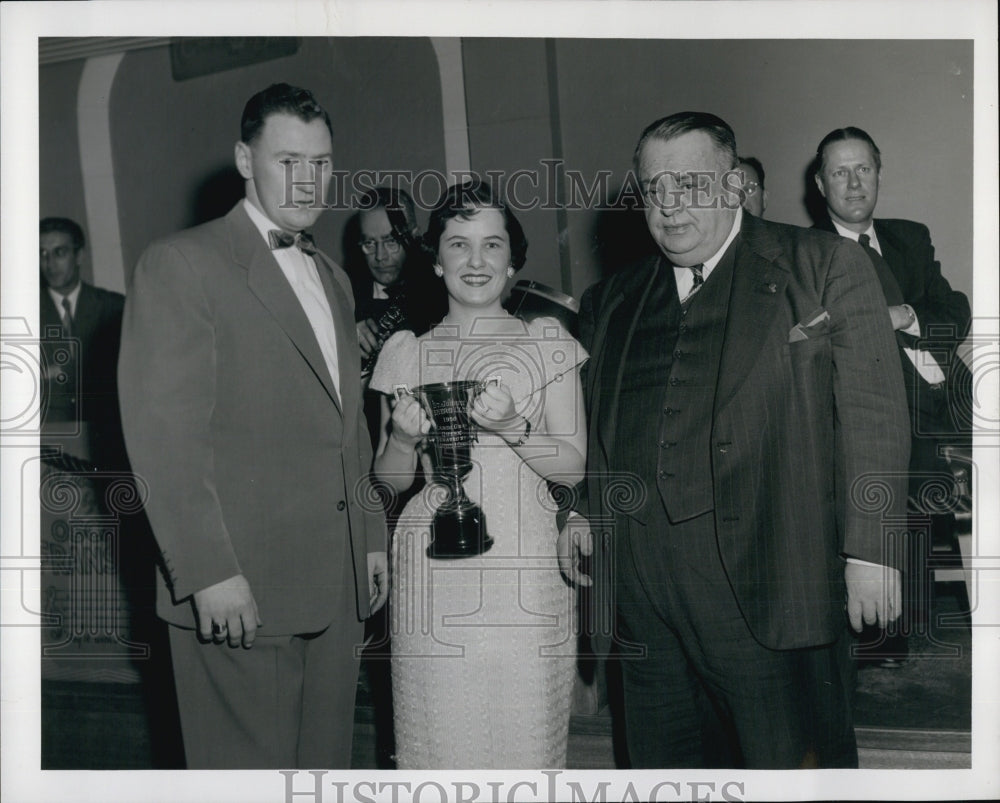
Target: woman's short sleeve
{"x":398,"y":363}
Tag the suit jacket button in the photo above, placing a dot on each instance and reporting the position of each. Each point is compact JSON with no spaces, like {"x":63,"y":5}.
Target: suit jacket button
{"x":674,"y":380}
{"x":678,"y":354}
{"x":341,"y":505}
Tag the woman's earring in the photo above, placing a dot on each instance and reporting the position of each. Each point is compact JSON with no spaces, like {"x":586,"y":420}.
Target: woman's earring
{"x":438,"y":271}
{"x":510,"y":271}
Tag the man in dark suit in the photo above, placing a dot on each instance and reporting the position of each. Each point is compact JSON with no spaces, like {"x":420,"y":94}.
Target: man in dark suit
{"x":929,"y":318}
{"x":396,"y":275}
{"x":80,"y":386}
{"x":738,"y":411}
{"x":241,"y":405}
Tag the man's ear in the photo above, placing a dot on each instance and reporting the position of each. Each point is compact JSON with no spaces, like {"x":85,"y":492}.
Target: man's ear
{"x":244,"y":160}
{"x":764,"y":204}
{"x":819,"y":184}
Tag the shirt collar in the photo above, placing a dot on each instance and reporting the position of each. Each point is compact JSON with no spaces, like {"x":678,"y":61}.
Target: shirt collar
{"x":709,"y":264}
{"x":263,"y":223}
{"x":716,"y":258}
{"x":58,"y":297}
{"x":843,"y":231}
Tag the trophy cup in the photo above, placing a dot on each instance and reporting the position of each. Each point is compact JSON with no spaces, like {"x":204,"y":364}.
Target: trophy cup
{"x":459,"y":526}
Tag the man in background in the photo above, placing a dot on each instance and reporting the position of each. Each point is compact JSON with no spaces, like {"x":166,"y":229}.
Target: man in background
{"x":398,"y":271}
{"x":241,"y":403}
{"x":930,"y":320}
{"x":80,"y":386}
{"x":754,"y":195}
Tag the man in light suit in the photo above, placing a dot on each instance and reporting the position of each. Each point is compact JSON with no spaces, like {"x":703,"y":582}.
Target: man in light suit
{"x":241,"y":404}
{"x":738,"y":410}
{"x":930,"y":320}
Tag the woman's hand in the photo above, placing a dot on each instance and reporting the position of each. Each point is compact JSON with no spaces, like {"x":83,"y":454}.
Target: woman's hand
{"x":494,"y":410}
{"x":409,"y":422}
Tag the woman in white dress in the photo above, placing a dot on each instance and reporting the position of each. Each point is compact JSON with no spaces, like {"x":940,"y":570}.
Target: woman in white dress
{"x":484,"y":647}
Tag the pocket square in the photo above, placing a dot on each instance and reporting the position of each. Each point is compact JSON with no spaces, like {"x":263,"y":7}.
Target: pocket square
{"x":801,"y":330}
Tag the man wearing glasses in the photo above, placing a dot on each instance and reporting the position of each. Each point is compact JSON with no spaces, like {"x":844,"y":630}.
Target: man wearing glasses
{"x":754,"y":196}
{"x":399,"y":290}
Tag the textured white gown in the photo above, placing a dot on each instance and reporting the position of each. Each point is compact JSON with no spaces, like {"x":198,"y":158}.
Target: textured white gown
{"x":483,"y":648}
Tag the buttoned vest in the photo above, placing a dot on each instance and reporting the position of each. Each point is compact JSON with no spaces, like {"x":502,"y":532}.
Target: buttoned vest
{"x":668,"y":389}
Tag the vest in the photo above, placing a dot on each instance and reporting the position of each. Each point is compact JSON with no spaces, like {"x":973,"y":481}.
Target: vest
{"x":684,"y":467}
{"x":671,"y":374}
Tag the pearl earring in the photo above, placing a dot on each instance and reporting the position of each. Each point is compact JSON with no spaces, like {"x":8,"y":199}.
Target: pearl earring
{"x":438,"y":271}
{"x":510,"y":271}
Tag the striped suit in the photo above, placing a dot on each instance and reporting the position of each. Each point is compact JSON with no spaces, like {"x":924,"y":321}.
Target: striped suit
{"x":803,"y":408}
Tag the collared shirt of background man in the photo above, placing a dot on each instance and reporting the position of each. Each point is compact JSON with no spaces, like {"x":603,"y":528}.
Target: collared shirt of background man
{"x":736,"y":380}
{"x":241,"y":403}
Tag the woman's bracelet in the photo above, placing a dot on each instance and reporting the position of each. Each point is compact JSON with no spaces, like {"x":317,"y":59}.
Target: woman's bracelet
{"x":524,"y":438}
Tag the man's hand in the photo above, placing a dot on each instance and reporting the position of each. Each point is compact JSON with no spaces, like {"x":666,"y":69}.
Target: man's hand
{"x":873,"y":594}
{"x":227,"y":611}
{"x":575,"y":540}
{"x":378,"y":581}
{"x":367,"y":336}
{"x":902,"y":316}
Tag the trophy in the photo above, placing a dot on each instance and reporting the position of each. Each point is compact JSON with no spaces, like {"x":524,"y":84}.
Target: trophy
{"x":459,"y":526}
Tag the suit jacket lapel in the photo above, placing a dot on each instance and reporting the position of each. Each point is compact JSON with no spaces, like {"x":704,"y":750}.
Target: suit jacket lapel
{"x":268,"y":283}
{"x":891,"y":253}
{"x":756,"y":296}
{"x":48,"y":314}
{"x":348,"y":358}
{"x":623,"y":311}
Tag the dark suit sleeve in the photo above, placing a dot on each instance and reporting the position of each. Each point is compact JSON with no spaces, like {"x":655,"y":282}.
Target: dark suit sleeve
{"x":586,"y":322}
{"x":938,"y":304}
{"x":872,"y":422}
{"x":166,"y":380}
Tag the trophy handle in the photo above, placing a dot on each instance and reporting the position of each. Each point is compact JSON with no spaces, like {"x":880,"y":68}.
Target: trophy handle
{"x":401,"y":390}
{"x":490,"y":380}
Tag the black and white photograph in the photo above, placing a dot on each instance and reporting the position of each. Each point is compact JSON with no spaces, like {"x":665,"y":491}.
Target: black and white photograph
{"x":501,"y":401}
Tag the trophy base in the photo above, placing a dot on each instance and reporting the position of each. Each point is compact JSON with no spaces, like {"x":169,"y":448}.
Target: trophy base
{"x":459,"y":533}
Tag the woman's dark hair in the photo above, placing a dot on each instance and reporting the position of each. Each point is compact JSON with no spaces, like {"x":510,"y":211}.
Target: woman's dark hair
{"x":465,"y":200}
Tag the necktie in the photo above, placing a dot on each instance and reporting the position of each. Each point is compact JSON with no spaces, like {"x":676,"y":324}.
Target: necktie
{"x":67,"y":318}
{"x":890,"y":287}
{"x":302,"y":240}
{"x":698,"y":272}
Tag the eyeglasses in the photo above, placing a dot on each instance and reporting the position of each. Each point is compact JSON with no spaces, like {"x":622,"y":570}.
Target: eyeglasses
{"x":750,"y":188}
{"x":390,"y":245}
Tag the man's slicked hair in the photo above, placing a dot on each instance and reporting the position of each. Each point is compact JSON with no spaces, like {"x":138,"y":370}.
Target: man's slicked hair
{"x":66,"y":226}
{"x":674,"y":125}
{"x":842,"y":135}
{"x":389,"y":198}
{"x":280,"y":99}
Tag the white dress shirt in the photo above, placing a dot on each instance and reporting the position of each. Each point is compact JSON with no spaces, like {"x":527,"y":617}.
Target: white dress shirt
{"x":685,"y":276}
{"x":72,"y":296}
{"x":300,"y":271}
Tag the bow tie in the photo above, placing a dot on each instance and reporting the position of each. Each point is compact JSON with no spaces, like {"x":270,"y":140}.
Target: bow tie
{"x":277,"y":238}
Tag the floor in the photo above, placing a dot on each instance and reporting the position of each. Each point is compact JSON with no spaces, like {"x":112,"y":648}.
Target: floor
{"x":912,"y":716}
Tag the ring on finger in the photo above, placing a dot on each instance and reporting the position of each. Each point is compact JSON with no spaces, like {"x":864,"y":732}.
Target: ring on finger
{"x":219,"y":628}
